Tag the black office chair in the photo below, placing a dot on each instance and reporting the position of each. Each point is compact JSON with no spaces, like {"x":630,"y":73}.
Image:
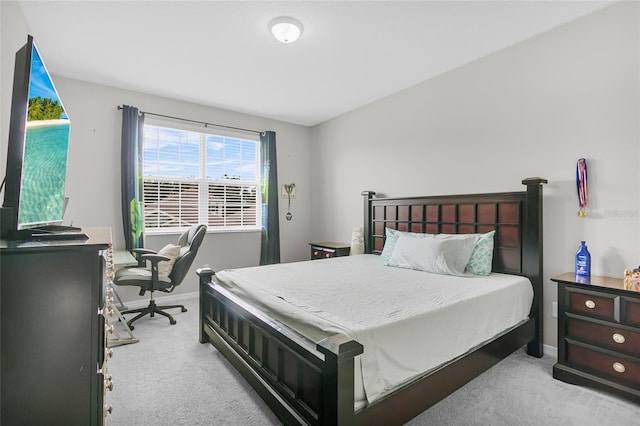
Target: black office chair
{"x":149,"y":279}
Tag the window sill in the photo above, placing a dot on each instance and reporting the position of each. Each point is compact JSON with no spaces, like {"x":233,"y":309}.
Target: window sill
{"x":176,"y":231}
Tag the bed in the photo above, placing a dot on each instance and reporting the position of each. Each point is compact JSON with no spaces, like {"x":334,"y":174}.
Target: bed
{"x":311,"y":378}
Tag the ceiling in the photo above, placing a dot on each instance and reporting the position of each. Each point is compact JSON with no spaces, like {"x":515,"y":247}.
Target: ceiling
{"x":220,"y":53}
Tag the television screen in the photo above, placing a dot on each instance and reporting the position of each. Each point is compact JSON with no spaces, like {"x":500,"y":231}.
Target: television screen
{"x":34,"y":184}
{"x":46,"y":143}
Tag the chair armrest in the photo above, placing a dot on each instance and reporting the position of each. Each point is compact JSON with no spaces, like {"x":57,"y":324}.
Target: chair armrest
{"x":138,"y":255}
{"x":154,"y":259}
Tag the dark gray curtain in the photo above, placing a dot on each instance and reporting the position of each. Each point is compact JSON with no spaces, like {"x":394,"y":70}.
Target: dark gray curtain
{"x":270,"y":249}
{"x":131,"y":179}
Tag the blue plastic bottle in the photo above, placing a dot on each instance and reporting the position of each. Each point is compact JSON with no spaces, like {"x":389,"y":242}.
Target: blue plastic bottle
{"x":583,"y":262}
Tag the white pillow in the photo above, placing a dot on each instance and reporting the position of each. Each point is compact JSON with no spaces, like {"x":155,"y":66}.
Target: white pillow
{"x":447,"y":255}
{"x":171,"y":251}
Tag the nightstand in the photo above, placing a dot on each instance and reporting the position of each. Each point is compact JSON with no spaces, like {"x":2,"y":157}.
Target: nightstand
{"x":598,"y":335}
{"x":324,"y":250}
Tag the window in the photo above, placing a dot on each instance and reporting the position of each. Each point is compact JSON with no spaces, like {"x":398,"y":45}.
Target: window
{"x":193,"y":177}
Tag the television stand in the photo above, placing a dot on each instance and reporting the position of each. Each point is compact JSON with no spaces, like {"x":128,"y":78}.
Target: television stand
{"x":25,"y":235}
{"x":55,"y":228}
{"x":58,"y":236}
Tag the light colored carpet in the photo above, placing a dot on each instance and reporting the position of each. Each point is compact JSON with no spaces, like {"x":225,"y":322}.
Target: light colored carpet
{"x":169,"y":378}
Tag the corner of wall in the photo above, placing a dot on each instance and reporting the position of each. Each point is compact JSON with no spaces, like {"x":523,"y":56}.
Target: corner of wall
{"x":13,"y":34}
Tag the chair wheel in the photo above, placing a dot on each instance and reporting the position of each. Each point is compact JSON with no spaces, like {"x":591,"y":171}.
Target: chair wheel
{"x":172,"y":322}
{"x":184,"y":309}
{"x":131,"y":327}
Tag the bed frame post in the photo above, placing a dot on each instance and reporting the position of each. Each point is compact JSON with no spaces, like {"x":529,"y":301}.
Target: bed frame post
{"x":206,"y":276}
{"x":338,"y":387}
{"x":533,"y":261}
{"x":368,"y":224}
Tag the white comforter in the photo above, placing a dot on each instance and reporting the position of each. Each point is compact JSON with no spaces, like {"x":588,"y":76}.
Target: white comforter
{"x":408,"y":321}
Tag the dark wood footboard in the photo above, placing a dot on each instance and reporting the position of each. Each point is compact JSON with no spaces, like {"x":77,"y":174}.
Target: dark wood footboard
{"x":305,"y":382}
{"x":308,"y":383}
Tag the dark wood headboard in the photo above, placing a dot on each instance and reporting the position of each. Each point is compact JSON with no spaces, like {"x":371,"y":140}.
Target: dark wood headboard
{"x":510,"y":214}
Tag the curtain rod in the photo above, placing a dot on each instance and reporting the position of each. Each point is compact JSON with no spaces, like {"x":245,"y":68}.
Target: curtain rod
{"x":198,"y":122}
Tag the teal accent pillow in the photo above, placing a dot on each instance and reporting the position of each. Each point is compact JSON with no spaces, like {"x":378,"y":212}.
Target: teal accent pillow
{"x":482,"y":256}
{"x":389,"y":244}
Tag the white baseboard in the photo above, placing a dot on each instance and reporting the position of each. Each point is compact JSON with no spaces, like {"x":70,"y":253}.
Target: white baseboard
{"x":169,"y":299}
{"x":550,"y":351}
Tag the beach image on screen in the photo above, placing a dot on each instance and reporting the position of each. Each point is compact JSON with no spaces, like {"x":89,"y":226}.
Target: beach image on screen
{"x":44,"y":167}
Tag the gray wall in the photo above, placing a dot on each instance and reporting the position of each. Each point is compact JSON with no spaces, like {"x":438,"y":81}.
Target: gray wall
{"x":530,"y":110}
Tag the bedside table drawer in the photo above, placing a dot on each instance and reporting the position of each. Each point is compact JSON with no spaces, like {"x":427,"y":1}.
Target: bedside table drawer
{"x":614,"y":338}
{"x":326,"y":250}
{"x":594,"y":305}
{"x":631,"y":311}
{"x":322,"y":253}
{"x":620,"y":369}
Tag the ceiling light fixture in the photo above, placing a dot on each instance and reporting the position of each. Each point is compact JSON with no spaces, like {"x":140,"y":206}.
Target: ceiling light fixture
{"x":285,"y":29}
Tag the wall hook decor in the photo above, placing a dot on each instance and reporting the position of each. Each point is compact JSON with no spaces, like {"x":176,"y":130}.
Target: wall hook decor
{"x":289,"y":193}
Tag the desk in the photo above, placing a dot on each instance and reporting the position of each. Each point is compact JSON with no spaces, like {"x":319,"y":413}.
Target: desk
{"x":118,"y":259}
{"x":123,"y":258}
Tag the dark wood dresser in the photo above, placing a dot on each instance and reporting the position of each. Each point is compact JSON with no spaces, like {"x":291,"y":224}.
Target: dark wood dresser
{"x":598,"y":335}
{"x":325,"y":250}
{"x":53,"y":331}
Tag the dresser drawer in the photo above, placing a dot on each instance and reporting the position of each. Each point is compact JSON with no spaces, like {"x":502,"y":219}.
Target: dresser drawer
{"x":600,"y":305}
{"x":614,"y":338}
{"x":618,"y":368}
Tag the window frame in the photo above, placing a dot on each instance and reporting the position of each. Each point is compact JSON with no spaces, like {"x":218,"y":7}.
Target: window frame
{"x":204,"y":184}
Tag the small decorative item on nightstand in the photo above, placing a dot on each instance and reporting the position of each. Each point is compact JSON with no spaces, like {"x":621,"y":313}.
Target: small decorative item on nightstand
{"x":627,"y":280}
{"x":325,"y":250}
{"x":583,"y":263}
{"x":635,"y":276}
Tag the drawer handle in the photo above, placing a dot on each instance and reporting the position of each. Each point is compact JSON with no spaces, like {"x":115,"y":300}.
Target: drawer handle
{"x":618,"y":367}
{"x":590,"y":304}
{"x":618,"y":338}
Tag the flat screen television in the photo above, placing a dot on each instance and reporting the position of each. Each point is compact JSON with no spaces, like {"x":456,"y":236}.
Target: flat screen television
{"x":34,"y":185}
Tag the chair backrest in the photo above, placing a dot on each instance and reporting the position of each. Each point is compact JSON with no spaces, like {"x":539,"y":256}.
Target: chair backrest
{"x":190,"y":243}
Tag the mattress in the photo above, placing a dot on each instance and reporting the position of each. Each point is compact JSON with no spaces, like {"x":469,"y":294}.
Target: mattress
{"x":408,"y":322}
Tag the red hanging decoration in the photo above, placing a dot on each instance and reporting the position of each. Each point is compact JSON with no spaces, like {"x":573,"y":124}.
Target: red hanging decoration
{"x":581,"y":183}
